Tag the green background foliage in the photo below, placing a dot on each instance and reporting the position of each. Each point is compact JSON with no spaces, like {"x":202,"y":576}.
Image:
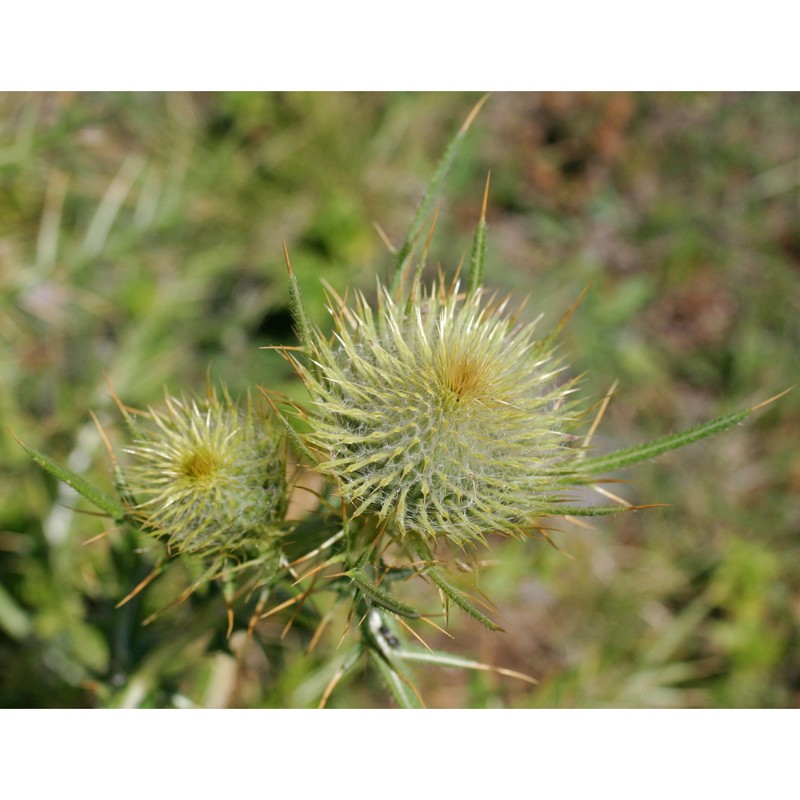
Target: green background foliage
{"x":140,"y":238}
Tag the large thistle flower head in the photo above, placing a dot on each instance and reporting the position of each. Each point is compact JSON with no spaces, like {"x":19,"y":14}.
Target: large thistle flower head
{"x":208,"y":473}
{"x":439,"y":413}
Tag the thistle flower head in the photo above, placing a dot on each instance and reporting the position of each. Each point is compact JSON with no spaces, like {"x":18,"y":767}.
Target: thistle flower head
{"x":439,"y":413}
{"x":209,"y":475}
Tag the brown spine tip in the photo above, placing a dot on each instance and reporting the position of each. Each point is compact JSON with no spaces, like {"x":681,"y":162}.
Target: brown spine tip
{"x":286,"y":257}
{"x":771,"y":399}
{"x":474,"y":113}
{"x":486,"y":196}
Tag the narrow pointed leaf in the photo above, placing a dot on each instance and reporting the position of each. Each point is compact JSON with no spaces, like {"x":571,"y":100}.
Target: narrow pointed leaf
{"x":459,"y":662}
{"x":399,"y":688}
{"x":460,"y":600}
{"x":294,"y":436}
{"x":657,"y":447}
{"x":302,"y":325}
{"x":477,"y":257}
{"x":584,"y":511}
{"x":404,"y":254}
{"x":78,"y":483}
{"x":349,"y":661}
{"x":381,"y":597}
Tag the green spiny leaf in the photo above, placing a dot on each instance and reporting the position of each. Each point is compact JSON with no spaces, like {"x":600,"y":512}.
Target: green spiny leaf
{"x":380,"y":596}
{"x":460,"y":600}
{"x":585,"y":511}
{"x":478,"y":255}
{"x":303,"y":326}
{"x":403,"y":256}
{"x":294,"y":436}
{"x":657,"y":447}
{"x":79,"y":484}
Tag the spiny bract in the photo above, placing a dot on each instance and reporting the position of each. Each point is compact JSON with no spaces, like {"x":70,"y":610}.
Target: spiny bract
{"x":209,"y":475}
{"x":440,"y":413}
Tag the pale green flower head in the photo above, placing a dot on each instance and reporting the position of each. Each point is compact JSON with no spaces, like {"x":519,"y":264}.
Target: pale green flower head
{"x":208,"y":475}
{"x":440,"y":414}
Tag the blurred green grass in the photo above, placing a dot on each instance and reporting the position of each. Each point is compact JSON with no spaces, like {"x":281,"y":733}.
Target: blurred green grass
{"x":140,"y":238}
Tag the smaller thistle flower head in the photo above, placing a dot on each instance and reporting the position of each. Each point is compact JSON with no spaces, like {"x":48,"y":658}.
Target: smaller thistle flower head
{"x":439,"y":414}
{"x":209,"y":475}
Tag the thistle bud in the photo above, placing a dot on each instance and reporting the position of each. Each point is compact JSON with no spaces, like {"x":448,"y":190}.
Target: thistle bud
{"x":209,"y":475}
{"x":439,"y":414}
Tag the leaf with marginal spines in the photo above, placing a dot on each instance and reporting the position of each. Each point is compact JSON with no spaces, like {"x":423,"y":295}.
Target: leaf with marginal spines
{"x":459,"y":599}
{"x":406,"y":250}
{"x":380,"y":596}
{"x":664,"y":444}
{"x":77,"y":482}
